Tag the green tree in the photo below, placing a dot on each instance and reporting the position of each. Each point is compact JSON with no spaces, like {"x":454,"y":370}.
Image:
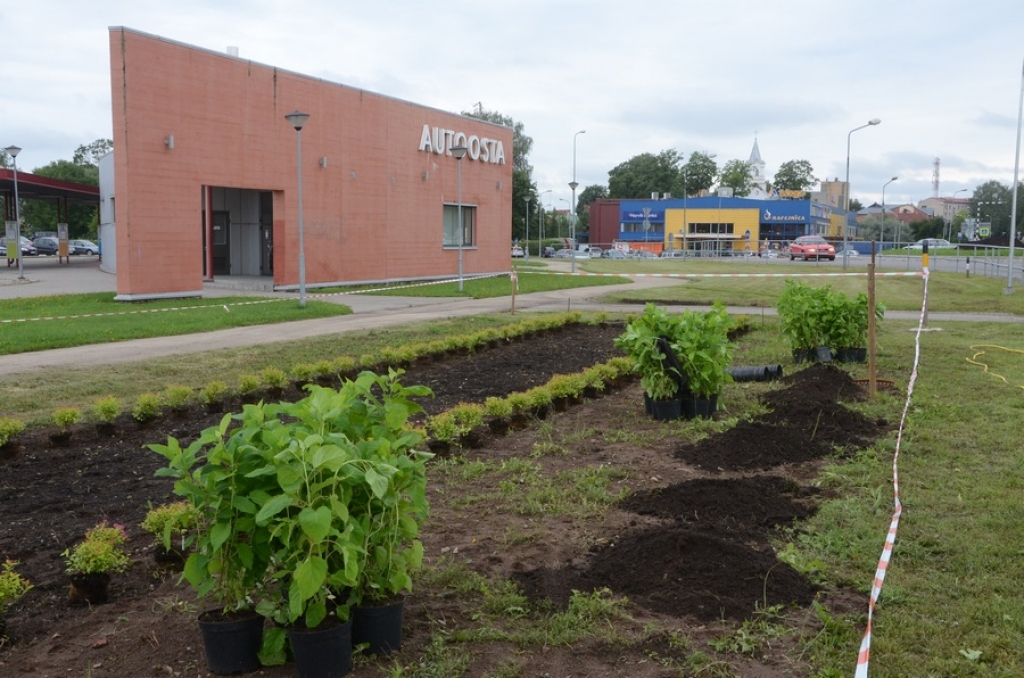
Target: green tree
{"x":856,"y":205}
{"x":875,"y":227}
{"x":794,"y":175}
{"x":699,"y":173}
{"x":644,"y":174}
{"x":88,"y":155}
{"x":933,"y":227}
{"x":523,"y":188}
{"x":41,"y":215}
{"x":991,"y":203}
{"x":737,"y":175}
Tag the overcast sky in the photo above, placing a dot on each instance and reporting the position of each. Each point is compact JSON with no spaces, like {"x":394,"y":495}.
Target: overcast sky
{"x":640,"y":76}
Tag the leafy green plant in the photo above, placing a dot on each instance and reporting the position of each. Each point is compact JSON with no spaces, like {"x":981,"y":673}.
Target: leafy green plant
{"x":345,"y":365}
{"x":214,"y":392}
{"x":107,"y":409}
{"x":303,"y":373}
{"x":273,"y":378}
{"x":177,"y":397}
{"x":12,"y":586}
{"x":702,"y":347}
{"x":248,"y":384}
{"x":102,"y":550}
{"x":9,"y":428}
{"x":799,"y":317}
{"x":538,"y":396}
{"x":640,"y":342}
{"x":442,"y":427}
{"x":467,"y":416}
{"x":147,"y":407}
{"x":499,"y":408}
{"x":170,"y":523}
{"x":66,"y":417}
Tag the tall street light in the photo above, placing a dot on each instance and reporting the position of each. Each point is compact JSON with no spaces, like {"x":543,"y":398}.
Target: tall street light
{"x":297,"y":119}
{"x":949,"y":224}
{"x":460,"y":152}
{"x":540,"y":225}
{"x":883,"y":211}
{"x":526,"y":250}
{"x":13,"y":151}
{"x":846,"y":217}
{"x":572,"y":212}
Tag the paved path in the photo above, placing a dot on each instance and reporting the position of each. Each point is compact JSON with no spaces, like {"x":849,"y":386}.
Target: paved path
{"x":369,"y":312}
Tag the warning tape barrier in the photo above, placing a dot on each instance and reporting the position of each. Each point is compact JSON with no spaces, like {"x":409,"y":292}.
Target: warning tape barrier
{"x":141,"y":311}
{"x":864,"y":654}
{"x":728,"y":275}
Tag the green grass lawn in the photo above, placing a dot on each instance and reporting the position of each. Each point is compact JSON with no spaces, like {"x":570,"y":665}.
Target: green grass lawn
{"x":118,"y":321}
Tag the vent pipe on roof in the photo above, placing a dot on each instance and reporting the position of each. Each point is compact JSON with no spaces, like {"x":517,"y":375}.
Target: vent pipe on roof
{"x":232,"y":51}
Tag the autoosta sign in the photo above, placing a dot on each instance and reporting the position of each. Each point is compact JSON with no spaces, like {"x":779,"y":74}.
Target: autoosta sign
{"x":440,"y":141}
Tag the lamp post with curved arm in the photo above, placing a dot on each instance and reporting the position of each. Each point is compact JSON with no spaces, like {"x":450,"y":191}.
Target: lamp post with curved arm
{"x":540,"y":223}
{"x":298,"y":119}
{"x":460,"y":152}
{"x":572,"y":207}
{"x":846,"y":206}
{"x":882,"y":228}
{"x":13,"y":151}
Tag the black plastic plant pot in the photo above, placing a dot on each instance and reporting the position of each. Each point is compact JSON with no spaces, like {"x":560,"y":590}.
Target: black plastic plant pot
{"x":666,"y":410}
{"x":379,"y":627}
{"x":231,"y":642}
{"x":323,"y":652}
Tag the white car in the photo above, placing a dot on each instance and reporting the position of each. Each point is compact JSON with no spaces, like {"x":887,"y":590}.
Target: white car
{"x":933,"y":244}
{"x":517,"y":252}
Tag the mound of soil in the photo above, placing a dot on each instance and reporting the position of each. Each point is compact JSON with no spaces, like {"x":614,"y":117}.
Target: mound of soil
{"x":687,"y":543}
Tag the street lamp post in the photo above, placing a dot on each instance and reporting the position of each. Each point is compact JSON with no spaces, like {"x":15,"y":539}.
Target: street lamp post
{"x":526,"y":250}
{"x":883,"y":211}
{"x":540,"y":225}
{"x":949,"y":224}
{"x":297,"y":119}
{"x":846,"y":206}
{"x":460,"y":152}
{"x":13,"y":151}
{"x":572,"y":211}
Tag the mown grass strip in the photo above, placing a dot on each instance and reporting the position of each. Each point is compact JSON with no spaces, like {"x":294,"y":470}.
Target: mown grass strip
{"x":100,"y":319}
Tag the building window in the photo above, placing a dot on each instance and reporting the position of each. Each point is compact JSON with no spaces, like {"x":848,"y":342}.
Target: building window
{"x":711,"y":229}
{"x":451,"y":226}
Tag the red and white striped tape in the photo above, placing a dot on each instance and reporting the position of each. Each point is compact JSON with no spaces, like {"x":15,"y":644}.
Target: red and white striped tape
{"x":864,"y":655}
{"x":728,"y":275}
{"x":135,"y":312}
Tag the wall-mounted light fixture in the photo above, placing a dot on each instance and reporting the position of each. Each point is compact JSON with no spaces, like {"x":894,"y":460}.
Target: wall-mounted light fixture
{"x":169,"y":142}
{"x":426,"y":175}
{"x":498,"y":186}
{"x":323,"y":161}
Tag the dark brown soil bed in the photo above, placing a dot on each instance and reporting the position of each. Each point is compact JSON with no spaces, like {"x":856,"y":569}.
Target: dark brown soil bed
{"x":688,"y":546}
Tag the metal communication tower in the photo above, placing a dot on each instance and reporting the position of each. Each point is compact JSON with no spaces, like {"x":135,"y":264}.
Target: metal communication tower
{"x":935,"y":177}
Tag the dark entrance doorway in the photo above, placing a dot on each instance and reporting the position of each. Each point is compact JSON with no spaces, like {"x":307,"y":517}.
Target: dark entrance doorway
{"x":221,"y":243}
{"x":266,"y":233}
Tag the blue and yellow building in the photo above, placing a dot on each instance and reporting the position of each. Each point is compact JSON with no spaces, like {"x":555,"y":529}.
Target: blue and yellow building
{"x":710,"y":225}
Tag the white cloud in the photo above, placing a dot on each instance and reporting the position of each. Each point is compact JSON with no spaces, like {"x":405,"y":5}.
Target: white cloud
{"x":639,"y":77}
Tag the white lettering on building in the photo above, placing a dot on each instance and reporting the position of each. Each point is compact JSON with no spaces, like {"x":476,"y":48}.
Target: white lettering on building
{"x":441,"y":141}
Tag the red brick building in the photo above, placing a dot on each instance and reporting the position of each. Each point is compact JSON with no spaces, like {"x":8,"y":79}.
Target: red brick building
{"x":205,"y":177}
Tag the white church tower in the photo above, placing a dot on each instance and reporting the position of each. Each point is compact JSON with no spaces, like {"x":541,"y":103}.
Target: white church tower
{"x":757,"y":175}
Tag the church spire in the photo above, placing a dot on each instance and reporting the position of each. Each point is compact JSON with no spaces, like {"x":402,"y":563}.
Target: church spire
{"x":755,"y":154}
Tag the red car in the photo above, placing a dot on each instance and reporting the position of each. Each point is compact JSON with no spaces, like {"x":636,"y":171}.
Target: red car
{"x":811,"y":246}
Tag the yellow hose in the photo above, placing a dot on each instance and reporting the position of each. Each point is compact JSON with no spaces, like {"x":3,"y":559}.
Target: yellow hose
{"x":980,"y":351}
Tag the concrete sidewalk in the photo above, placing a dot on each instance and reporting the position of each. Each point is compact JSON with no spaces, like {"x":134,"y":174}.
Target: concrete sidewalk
{"x":368,"y":312}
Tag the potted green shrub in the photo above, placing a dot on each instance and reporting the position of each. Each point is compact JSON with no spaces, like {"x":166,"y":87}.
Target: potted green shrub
{"x":12,"y":587}
{"x":499,"y":414}
{"x":660,"y":381}
{"x":177,"y":398}
{"x":64,"y":418}
{"x":226,"y":483}
{"x":90,"y":563}
{"x":170,"y":525}
{"x":107,"y":410}
{"x":799,"y":314}
{"x":147,"y":408}
{"x":849,"y":335}
{"x":10,"y":428}
{"x":345,"y":516}
{"x":213,"y":395}
{"x":701,"y":346}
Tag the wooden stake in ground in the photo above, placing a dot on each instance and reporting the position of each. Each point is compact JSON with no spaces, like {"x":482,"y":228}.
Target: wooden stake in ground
{"x":871,"y":324}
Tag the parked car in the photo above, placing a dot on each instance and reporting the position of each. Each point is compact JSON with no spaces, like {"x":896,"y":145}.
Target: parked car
{"x":613,"y":254}
{"x":673,"y":254}
{"x":848,"y":252}
{"x":548,"y":252}
{"x":642,"y":254}
{"x":83,"y":247}
{"x":933,"y":244}
{"x":27,"y":248}
{"x":564,"y":253}
{"x":595,"y":252}
{"x":811,"y":246}
{"x":768,"y":254}
{"x":517,"y":252}
{"x":46,"y":245}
